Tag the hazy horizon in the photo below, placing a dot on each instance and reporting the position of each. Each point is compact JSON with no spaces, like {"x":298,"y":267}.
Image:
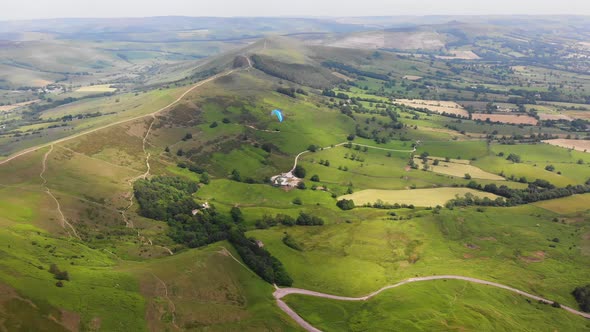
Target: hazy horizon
{"x":56,"y":9}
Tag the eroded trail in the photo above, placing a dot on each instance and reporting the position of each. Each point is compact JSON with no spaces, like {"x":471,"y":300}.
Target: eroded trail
{"x":282,"y":292}
{"x":171,"y":305}
{"x":65,"y":224}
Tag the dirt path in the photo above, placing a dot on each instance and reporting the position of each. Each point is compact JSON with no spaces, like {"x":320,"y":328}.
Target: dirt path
{"x":64,"y":221}
{"x":35,"y":148}
{"x":171,"y":305}
{"x":282,"y":292}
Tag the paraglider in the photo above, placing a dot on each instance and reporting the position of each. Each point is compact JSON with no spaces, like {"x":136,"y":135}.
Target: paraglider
{"x":278,"y":114}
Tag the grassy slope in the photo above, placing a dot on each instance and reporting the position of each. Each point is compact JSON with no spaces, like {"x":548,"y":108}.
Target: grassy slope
{"x":437,"y":306}
{"x":510,"y":245}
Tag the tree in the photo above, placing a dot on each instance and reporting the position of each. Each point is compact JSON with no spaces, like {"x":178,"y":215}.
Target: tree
{"x":225,"y":120}
{"x":167,"y":149}
{"x":345,"y":204}
{"x":513,"y":158}
{"x":235,"y":175}
{"x":204,"y":178}
{"x":301,"y":185}
{"x":582,"y":295}
{"x":305,"y":219}
{"x":327,"y":163}
{"x":297,"y":201}
{"x":187,"y":137}
{"x":214,"y":124}
{"x":315,"y":178}
{"x":180,"y":152}
{"x":550,"y":168}
{"x":299,"y":171}
{"x":467,"y":176}
{"x":236,"y":214}
{"x":266,"y":147}
{"x":312,"y":148}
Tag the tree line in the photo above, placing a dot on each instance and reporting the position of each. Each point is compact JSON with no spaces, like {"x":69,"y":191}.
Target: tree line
{"x":539,"y":190}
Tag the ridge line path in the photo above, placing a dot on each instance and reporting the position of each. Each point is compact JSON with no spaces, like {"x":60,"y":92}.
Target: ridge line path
{"x":64,"y":221}
{"x":282,"y":292}
{"x":343,"y":143}
{"x":196,"y":85}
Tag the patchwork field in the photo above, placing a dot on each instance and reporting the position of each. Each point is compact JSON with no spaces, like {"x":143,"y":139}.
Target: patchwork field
{"x":437,"y":106}
{"x":505,"y":118}
{"x":417,"y":197}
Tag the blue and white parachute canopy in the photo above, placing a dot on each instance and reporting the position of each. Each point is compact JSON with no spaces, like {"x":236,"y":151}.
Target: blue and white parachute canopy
{"x":278,"y":113}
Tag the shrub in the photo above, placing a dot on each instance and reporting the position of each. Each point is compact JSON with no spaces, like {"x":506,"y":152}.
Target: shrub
{"x":290,"y":242}
{"x":315,"y":178}
{"x":299,"y":172}
{"x":467,"y":176}
{"x":550,"y":168}
{"x":301,"y":185}
{"x":582,"y":295}
{"x":214,"y":124}
{"x":297,"y":201}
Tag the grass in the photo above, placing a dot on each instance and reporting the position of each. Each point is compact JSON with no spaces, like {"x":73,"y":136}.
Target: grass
{"x":436,"y":306}
{"x":417,"y":197}
{"x":508,"y":245}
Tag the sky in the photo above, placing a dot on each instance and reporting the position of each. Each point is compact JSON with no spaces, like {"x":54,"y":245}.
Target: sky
{"x":34,"y":9}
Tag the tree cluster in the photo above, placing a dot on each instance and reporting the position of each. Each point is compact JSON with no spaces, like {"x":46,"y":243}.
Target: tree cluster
{"x":260,"y":260}
{"x":169,"y":199}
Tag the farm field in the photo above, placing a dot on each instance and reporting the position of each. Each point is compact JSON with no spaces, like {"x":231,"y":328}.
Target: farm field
{"x":567,"y":205}
{"x":459,"y":168}
{"x":97,"y":88}
{"x":505,"y":118}
{"x":579,"y":145}
{"x":417,"y":197}
{"x":435,"y":106}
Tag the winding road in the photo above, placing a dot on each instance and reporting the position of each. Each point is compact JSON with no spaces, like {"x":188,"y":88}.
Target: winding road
{"x":282,"y":292}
